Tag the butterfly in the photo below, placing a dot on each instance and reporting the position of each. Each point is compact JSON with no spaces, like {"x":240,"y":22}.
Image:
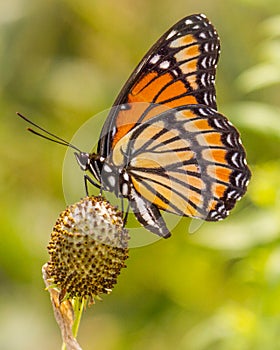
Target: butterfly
{"x":164,"y":146}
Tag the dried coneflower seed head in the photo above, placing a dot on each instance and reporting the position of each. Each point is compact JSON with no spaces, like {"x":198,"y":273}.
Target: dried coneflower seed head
{"x":88,"y":249}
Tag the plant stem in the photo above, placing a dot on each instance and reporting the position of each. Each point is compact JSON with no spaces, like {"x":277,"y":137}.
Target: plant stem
{"x":78,"y":307}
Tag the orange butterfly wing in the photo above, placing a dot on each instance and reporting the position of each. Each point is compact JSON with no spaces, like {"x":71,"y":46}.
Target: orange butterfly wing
{"x":188,"y":162}
{"x":177,"y":71}
{"x":164,"y":133}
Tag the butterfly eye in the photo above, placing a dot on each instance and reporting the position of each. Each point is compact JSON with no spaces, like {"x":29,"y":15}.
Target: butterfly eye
{"x":83,"y":160}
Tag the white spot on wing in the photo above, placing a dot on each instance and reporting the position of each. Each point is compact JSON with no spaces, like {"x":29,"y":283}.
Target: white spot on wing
{"x":237,"y":179}
{"x":234,"y":159}
{"x":231,"y":194}
{"x":112,"y":181}
{"x":107,"y":169}
{"x":126,"y":177}
{"x":203,"y":80}
{"x":217,"y":123}
{"x":188,"y":21}
{"x":154,"y":59}
{"x":114,"y":130}
{"x":205,"y":98}
{"x":125,"y":189}
{"x":171,"y":34}
{"x":164,"y":64}
{"x":229,"y":139}
{"x":204,"y":62}
{"x":203,"y":112}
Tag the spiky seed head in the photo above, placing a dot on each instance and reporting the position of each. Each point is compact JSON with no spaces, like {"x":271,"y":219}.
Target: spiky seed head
{"x":88,"y":249}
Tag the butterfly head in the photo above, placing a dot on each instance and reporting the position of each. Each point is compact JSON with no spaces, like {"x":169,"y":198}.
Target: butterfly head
{"x":90,"y":162}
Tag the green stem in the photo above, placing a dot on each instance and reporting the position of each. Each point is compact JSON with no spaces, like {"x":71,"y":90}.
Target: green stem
{"x":78,"y":307}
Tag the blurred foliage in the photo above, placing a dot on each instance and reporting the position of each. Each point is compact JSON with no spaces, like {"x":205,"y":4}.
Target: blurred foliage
{"x":62,"y":62}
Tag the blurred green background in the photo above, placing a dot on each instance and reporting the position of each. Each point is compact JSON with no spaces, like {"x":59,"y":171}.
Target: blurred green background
{"x":62,"y":62}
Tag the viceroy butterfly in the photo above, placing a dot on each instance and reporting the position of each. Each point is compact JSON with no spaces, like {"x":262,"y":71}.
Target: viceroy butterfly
{"x":164,"y":146}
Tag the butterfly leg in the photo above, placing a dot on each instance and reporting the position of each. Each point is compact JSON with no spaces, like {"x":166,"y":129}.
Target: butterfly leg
{"x":87,"y":180}
{"x":126,"y":213}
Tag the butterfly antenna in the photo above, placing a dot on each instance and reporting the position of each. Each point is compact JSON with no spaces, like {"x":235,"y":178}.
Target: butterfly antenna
{"x":53,"y":138}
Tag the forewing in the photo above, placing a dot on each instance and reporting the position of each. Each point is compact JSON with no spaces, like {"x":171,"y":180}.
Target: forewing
{"x":177,"y":71}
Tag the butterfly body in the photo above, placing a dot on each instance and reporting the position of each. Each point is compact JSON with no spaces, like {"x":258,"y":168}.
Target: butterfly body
{"x":164,"y":146}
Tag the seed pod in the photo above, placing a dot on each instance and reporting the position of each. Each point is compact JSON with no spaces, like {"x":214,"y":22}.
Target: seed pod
{"x":88,"y":249}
